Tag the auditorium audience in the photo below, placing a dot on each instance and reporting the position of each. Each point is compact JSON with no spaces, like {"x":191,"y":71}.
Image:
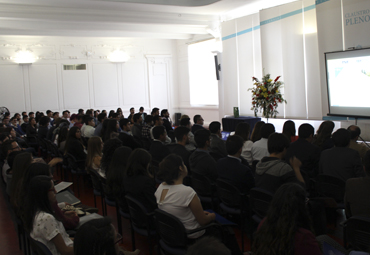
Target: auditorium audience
{"x":198,"y":123}
{"x":217,"y":145}
{"x":200,"y":160}
{"x":231,"y":168}
{"x":256,"y":133}
{"x":289,"y":131}
{"x":243,"y":130}
{"x":287,"y":227}
{"x":272,"y":171}
{"x":355,"y":134}
{"x":89,"y":129}
{"x":341,"y":161}
{"x":305,"y":151}
{"x":259,"y":148}
{"x":357,"y":196}
{"x":185,"y":122}
{"x":101,"y":118}
{"x":111,"y":130}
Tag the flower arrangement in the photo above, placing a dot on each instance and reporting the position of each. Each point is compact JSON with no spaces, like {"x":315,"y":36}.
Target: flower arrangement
{"x":266,"y":96}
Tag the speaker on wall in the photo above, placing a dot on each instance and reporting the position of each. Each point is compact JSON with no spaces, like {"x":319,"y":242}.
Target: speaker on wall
{"x":218,"y":68}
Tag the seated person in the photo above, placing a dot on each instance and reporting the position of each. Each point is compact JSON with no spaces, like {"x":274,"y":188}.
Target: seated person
{"x":177,"y":199}
{"x":182,"y":137}
{"x":357,"y":196}
{"x":145,"y":131}
{"x":137,"y":181}
{"x":231,"y":168}
{"x":259,"y":148}
{"x":75,"y":146}
{"x":305,"y":151}
{"x":137,"y":127}
{"x":98,"y":236}
{"x":40,"y":220}
{"x":217,"y":144}
{"x":272,"y":171}
{"x":89,"y":129}
{"x":200,"y":161}
{"x":341,"y":161}
{"x":158,"y":121}
{"x":355,"y":134}
{"x":185,"y":122}
{"x":287,"y":226}
{"x":157,"y":149}
{"x":198,"y":123}
{"x":43,"y":127}
{"x":167,"y":123}
{"x":126,"y":137}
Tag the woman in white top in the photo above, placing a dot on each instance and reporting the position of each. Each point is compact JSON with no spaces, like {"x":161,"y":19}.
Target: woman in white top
{"x":243,"y":130}
{"x":40,"y":220}
{"x":180,"y":200}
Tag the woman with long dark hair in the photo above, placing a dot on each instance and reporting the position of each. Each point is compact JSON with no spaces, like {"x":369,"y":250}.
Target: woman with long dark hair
{"x":74,"y":145}
{"x":287,"y":229}
{"x":243,"y":130}
{"x":94,"y":153}
{"x":115,"y":175}
{"x":289,"y":131}
{"x":112,"y":129}
{"x":109,"y":148}
{"x":98,"y":237}
{"x":137,"y":181}
{"x":40,"y":220}
{"x":256,"y":133}
{"x":323,"y":135}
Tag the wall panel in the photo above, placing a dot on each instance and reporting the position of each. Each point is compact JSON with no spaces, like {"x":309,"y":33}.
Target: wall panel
{"x":105,"y":85}
{"x":43,"y":87}
{"x":75,"y":89}
{"x":135,"y":87}
{"x":12,"y":93}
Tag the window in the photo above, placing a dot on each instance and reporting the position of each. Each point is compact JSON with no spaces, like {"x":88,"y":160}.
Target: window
{"x":202,"y":73}
{"x":74,"y":67}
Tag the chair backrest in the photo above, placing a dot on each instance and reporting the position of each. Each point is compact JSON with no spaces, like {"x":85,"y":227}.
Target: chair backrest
{"x":108,"y":194}
{"x":229,"y":194}
{"x":260,"y":201}
{"x":95,"y":178}
{"x":39,"y":248}
{"x":330,"y":186}
{"x":139,"y":216}
{"x":357,"y":230}
{"x":170,"y":229}
{"x":75,"y":164}
{"x":201,"y":184}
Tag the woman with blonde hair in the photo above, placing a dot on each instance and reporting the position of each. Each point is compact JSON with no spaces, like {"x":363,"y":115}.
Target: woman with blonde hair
{"x":94,"y":154}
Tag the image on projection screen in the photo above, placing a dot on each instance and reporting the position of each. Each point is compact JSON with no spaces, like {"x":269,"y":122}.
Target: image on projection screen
{"x":349,"y":81}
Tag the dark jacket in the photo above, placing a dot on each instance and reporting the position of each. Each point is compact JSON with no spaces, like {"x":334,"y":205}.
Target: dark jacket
{"x":233,"y":171}
{"x":218,"y":145}
{"x":129,"y":141}
{"x":158,"y":150}
{"x":201,"y":162}
{"x":180,"y":150}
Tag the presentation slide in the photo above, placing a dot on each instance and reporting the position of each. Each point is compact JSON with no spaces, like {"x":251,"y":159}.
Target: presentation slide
{"x":348,"y":80}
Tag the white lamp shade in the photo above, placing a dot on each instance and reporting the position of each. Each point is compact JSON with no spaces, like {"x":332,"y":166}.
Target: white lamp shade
{"x":118,"y":56}
{"x":24,"y":57}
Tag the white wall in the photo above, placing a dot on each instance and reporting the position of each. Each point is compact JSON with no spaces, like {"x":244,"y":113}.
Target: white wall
{"x":148,"y":79}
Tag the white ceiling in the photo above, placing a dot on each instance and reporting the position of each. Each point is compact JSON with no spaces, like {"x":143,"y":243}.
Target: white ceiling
{"x":122,"y":18}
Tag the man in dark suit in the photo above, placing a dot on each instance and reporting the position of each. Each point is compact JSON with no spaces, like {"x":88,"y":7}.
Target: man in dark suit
{"x":200,"y":161}
{"x":305,"y":151}
{"x":136,"y":128}
{"x":182,"y":137}
{"x":198,"y":123}
{"x":341,"y":161}
{"x":231,"y":168}
{"x":126,"y":138}
{"x":357,"y":197}
{"x":157,"y":149}
{"x":217,"y":144}
{"x":143,"y":114}
{"x":166,"y":121}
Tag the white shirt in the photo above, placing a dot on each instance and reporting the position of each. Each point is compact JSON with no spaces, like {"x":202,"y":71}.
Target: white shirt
{"x":247,"y":151}
{"x":176,"y":202}
{"x":259,"y":149}
{"x":45,"y":228}
{"x":88,"y":131}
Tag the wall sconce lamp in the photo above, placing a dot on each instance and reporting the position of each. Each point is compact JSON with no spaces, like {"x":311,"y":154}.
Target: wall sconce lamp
{"x":118,"y":56}
{"x":24,"y":57}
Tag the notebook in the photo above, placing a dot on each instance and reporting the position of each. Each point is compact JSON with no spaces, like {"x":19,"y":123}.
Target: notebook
{"x":66,"y":196}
